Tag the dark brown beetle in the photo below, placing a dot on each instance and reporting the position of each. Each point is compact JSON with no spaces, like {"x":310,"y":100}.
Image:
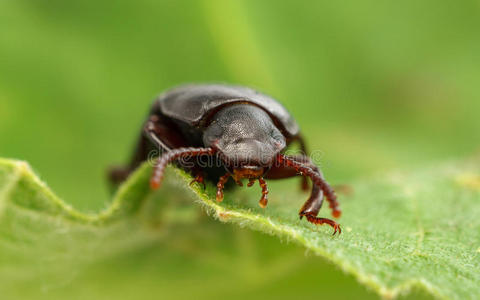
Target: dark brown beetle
{"x":238,"y":130}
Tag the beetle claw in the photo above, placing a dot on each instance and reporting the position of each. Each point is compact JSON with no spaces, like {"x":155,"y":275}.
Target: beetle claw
{"x":320,"y":221}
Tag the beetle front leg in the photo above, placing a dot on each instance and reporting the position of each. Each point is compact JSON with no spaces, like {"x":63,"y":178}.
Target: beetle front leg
{"x":310,"y":170}
{"x":304,"y":153}
{"x":263,"y":185}
{"x":312,"y":206}
{"x":172,"y":155}
{"x":283,"y":169}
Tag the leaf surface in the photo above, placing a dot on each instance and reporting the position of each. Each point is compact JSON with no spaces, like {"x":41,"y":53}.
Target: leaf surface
{"x":400,"y":231}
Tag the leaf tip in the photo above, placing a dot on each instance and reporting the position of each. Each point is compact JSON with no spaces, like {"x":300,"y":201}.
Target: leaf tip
{"x":23,"y":167}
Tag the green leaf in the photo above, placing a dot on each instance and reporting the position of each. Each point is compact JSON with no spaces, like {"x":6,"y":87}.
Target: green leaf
{"x":404,"y":230}
{"x":417,"y":229}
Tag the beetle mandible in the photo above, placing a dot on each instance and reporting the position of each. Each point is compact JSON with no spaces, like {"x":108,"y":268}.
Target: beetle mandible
{"x":242,"y":133}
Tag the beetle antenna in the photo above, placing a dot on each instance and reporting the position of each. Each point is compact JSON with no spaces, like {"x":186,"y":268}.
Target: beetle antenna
{"x":170,"y":156}
{"x":316,"y":179}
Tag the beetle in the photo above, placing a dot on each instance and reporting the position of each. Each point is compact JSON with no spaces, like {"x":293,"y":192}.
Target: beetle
{"x":242,"y":134}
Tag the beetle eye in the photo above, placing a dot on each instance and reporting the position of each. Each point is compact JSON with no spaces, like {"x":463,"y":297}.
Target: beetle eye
{"x":279,"y":143}
{"x":278,"y":139}
{"x":212,"y":134}
{"x":276,"y":135}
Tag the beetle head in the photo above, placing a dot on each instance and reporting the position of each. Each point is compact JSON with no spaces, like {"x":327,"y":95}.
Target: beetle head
{"x":245,"y":138}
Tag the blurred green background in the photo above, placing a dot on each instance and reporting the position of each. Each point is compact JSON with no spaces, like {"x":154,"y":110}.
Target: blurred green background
{"x":374,"y":85}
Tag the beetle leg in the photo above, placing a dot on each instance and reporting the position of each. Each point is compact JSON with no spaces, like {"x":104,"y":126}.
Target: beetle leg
{"x":310,"y":211}
{"x":281,"y":171}
{"x":263,"y":201}
{"x":311,"y":171}
{"x":320,"y":221}
{"x":304,"y":152}
{"x":221,"y":185}
{"x":170,"y":156}
{"x":304,"y":184}
{"x":263,"y":184}
{"x":312,"y":206}
{"x":303,"y":147}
